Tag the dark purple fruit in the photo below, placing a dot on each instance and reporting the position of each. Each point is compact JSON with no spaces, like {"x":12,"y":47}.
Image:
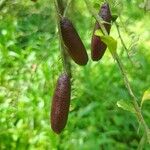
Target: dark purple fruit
{"x":60,"y":103}
{"x":97,"y":46}
{"x":73,"y":42}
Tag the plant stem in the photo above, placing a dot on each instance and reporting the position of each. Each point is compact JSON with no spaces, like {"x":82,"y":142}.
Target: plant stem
{"x":67,"y":7}
{"x":60,"y":4}
{"x":122,"y":42}
{"x":65,"y":58}
{"x":142,"y":142}
{"x":123,"y":72}
{"x":134,"y":98}
{"x":96,"y":16}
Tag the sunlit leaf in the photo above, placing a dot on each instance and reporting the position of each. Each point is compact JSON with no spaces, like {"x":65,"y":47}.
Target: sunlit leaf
{"x":96,"y":5}
{"x":108,"y":40}
{"x":146,"y":96}
{"x":114,"y":17}
{"x":126,"y":106}
{"x":98,"y":33}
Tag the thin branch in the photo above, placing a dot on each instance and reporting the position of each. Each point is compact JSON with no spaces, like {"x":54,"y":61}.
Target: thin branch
{"x":123,"y":72}
{"x":96,"y":16}
{"x":65,"y":58}
{"x":134,"y":98}
{"x":61,"y":6}
{"x":67,"y":7}
{"x":142,"y":142}
{"x":122,"y":42}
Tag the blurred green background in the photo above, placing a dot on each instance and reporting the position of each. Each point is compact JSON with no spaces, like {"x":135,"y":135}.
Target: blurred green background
{"x":30,"y":64}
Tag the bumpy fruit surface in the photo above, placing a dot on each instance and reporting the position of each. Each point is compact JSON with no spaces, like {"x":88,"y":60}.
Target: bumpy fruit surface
{"x":73,"y":42}
{"x":60,"y":103}
{"x":97,"y":46}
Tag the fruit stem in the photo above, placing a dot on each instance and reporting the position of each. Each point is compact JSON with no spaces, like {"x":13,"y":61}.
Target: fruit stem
{"x":96,"y":16}
{"x":65,"y":58}
{"x":122,"y":42}
{"x":67,"y":7}
{"x":134,"y":98}
{"x":123,"y":72}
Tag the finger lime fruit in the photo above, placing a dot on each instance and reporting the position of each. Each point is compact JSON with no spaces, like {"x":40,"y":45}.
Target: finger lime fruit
{"x":60,"y":103}
{"x":73,"y":42}
{"x":97,"y":46}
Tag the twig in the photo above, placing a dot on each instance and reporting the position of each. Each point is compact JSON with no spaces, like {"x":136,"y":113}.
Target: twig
{"x":96,"y":16}
{"x":134,"y":98}
{"x":123,"y":72}
{"x":65,"y":58}
{"x":67,"y":7}
{"x":122,"y":42}
{"x":142,"y":143}
{"x":61,"y":6}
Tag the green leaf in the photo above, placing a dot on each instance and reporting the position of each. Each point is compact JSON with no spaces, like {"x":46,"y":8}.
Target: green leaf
{"x":146,"y":96}
{"x":98,"y":33}
{"x":110,"y":42}
{"x":126,"y":106}
{"x":96,"y":5}
{"x":114,"y":17}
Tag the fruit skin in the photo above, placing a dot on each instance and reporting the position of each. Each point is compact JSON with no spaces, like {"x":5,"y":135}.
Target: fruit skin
{"x":60,"y":103}
{"x":97,"y":46}
{"x":73,"y":42}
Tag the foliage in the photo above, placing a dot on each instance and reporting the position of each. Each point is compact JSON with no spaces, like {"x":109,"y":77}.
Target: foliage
{"x":30,"y":64}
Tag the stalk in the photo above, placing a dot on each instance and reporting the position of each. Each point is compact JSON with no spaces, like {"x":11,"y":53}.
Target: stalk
{"x":59,"y":8}
{"x":123,"y":72}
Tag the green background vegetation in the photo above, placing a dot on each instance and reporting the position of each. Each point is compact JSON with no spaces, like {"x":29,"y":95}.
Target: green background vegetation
{"x":30,"y":64}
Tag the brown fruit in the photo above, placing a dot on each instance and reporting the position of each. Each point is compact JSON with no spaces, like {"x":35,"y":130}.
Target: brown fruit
{"x":60,"y":103}
{"x":73,"y":42}
{"x":97,"y":46}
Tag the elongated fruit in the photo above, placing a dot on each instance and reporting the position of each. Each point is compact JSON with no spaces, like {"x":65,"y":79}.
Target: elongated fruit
{"x":97,"y":46}
{"x":73,"y":42}
{"x":60,"y":103}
